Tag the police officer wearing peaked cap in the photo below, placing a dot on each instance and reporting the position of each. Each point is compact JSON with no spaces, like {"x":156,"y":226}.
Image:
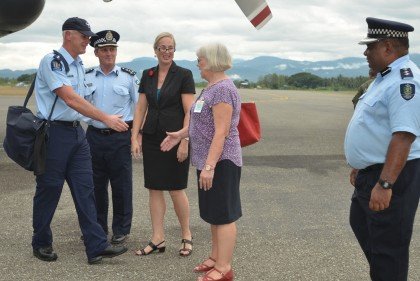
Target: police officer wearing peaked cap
{"x":114,"y":90}
{"x":382,"y":145}
{"x":61,"y":75}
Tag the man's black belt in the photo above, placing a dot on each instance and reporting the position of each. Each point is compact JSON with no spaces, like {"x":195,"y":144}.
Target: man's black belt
{"x":66,"y":123}
{"x":109,"y":131}
{"x":373,"y":167}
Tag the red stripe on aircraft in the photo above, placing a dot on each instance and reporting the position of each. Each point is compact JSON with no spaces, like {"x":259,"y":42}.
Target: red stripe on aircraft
{"x":261,"y":16}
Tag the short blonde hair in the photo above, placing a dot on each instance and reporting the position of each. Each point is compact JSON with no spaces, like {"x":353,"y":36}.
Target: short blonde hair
{"x":217,"y":57}
{"x":163,"y":35}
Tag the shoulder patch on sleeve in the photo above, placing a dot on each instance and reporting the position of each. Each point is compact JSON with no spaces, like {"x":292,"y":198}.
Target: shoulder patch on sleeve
{"x":129,"y":71}
{"x":56,"y":65}
{"x":406,"y":73}
{"x":89,"y":70}
{"x":407,"y":91}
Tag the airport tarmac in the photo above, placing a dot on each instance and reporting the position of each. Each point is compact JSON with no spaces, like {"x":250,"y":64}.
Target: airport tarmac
{"x":295,"y":194}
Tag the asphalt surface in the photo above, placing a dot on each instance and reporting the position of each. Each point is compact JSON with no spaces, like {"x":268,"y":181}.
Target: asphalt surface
{"x":295,"y":197}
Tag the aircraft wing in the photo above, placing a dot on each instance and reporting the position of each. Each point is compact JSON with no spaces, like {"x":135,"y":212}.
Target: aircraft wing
{"x":18,"y":14}
{"x":257,"y":11}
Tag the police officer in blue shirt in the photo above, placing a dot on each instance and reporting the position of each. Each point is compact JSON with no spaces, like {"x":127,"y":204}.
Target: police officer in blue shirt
{"x":68,"y":158}
{"x":113,"y":90}
{"x":382,"y":145}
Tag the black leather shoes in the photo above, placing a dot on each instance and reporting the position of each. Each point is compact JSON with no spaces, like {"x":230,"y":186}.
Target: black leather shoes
{"x":45,"y":254}
{"x":109,"y":252}
{"x":118,"y":238}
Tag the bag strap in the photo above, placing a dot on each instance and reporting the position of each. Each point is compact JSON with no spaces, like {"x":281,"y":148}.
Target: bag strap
{"x":30,"y":91}
{"x":60,"y":57}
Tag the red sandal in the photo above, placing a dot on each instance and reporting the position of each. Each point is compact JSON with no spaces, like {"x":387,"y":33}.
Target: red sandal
{"x":202,"y":267}
{"x":228,"y":276}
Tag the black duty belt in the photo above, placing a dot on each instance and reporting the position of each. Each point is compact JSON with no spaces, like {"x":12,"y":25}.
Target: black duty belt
{"x":66,"y":123}
{"x":109,"y":131}
{"x":373,"y":167}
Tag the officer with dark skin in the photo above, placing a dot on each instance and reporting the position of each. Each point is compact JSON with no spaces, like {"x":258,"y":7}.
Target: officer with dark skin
{"x":382,"y":145}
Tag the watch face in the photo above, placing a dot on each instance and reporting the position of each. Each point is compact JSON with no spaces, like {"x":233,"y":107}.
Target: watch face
{"x":207,"y":168}
{"x":385,"y":184}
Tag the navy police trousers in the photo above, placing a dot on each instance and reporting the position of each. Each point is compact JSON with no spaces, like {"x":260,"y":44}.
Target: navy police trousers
{"x":68,"y":159}
{"x":112,"y":163}
{"x":385,"y":236}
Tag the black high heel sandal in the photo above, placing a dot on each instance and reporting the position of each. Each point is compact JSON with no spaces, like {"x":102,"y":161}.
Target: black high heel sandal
{"x":184,"y":243}
{"x":154,"y":247}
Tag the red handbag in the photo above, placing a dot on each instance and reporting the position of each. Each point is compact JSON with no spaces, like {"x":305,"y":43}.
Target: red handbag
{"x":249,"y":124}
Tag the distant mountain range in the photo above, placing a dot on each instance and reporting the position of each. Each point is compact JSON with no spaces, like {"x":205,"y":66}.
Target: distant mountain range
{"x":255,"y":68}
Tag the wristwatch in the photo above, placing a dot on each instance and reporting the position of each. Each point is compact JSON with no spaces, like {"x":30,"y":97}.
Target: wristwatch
{"x":385,"y":184}
{"x":208,"y":167}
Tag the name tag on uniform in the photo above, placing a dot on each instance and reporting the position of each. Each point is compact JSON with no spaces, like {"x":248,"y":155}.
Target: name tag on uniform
{"x":198,"y":106}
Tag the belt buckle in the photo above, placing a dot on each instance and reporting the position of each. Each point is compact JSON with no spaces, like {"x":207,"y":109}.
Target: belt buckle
{"x":75,"y":124}
{"x":105,"y":132}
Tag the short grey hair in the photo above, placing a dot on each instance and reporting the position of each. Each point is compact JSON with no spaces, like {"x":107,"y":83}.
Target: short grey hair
{"x":163,"y":35}
{"x":217,"y":57}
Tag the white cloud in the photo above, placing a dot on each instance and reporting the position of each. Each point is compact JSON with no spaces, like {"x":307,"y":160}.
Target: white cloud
{"x":235,"y":77}
{"x":300,"y":30}
{"x":281,"y":66}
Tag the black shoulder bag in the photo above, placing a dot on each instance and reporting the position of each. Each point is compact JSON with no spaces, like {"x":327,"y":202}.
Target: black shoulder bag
{"x":26,"y":134}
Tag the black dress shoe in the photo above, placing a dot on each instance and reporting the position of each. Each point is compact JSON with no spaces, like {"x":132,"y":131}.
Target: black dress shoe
{"x":118,"y":238}
{"x":45,"y":254}
{"x":109,"y":252}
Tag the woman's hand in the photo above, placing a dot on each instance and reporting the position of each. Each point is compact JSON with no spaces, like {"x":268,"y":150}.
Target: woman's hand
{"x":136,"y":145}
{"x":172,"y":139}
{"x":182,"y":152}
{"x":206,"y":179}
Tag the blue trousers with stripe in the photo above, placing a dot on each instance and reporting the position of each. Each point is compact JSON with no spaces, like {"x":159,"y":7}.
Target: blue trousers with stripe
{"x":68,"y":159}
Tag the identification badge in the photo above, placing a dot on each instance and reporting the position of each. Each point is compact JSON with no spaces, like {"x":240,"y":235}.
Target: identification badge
{"x":198,"y":106}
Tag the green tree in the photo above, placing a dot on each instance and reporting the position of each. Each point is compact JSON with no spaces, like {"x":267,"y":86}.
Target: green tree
{"x":26,"y":78}
{"x":305,"y":80}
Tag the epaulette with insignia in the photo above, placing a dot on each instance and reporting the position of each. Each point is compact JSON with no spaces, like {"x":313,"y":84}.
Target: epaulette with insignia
{"x":406,"y":73}
{"x":56,"y":64}
{"x":386,"y":71}
{"x":89,"y":70}
{"x":129,"y":71}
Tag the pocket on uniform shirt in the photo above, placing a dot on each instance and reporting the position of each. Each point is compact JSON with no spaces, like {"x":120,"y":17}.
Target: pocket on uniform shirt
{"x":374,"y":110}
{"x":90,"y":90}
{"x":121,"y":96}
{"x":370,"y":101}
{"x":74,"y":82}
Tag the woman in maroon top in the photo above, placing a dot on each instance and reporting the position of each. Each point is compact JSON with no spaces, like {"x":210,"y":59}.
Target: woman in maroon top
{"x":217,"y":155}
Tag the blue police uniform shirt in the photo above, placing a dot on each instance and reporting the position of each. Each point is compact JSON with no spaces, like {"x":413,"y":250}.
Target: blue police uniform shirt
{"x":115,"y":93}
{"x":52,"y":75}
{"x":391,"y":104}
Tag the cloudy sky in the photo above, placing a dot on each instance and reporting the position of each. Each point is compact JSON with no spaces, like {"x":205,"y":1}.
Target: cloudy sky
{"x":300,"y":30}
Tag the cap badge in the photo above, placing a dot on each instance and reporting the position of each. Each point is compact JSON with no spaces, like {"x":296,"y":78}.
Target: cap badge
{"x":407,"y":91}
{"x":109,"y":36}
